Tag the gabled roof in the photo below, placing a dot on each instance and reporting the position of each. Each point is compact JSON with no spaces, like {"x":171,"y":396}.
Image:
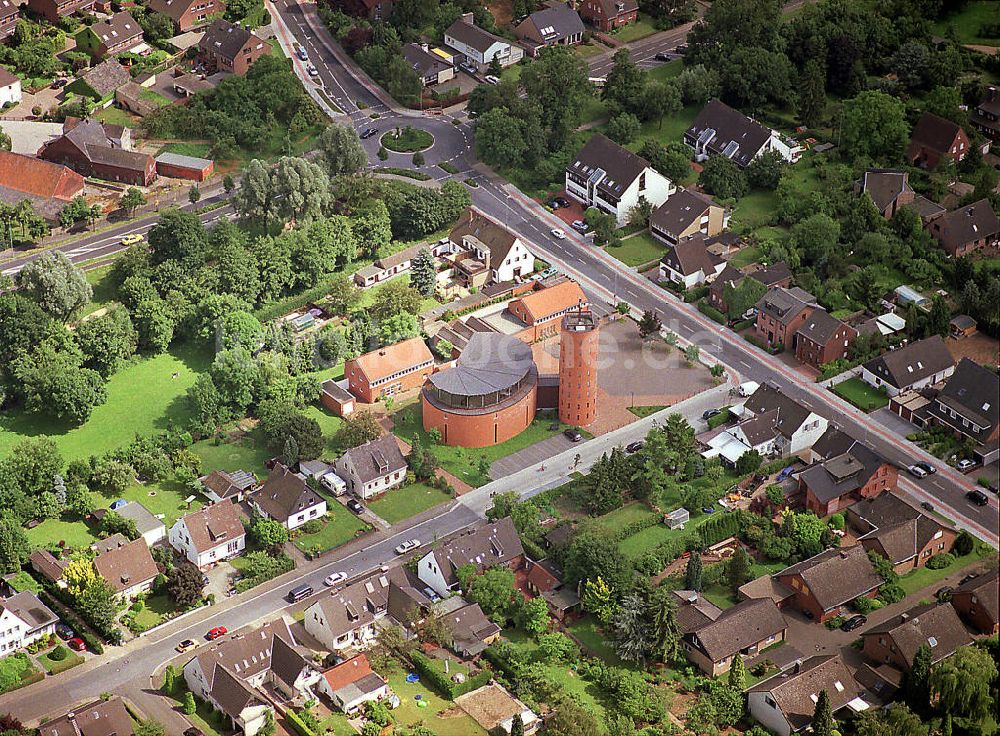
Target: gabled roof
{"x":836,"y":576}
{"x":119,"y":27}
{"x":542,"y":304}
{"x":913,"y":363}
{"x":45,"y":563}
{"x":833,"y":442}
{"x":820,"y":326}
{"x":285,"y":494}
{"x":782,"y":304}
{"x":613,"y":8}
{"x":933,"y":133}
{"x":216,"y":524}
{"x":791,"y":414}
{"x":242,"y":655}
{"x":287,"y":661}
{"x":965,"y":225}
{"x":986,"y":588}
{"x":144,"y":520}
{"x":973,"y":392}
{"x":347,"y":672}
{"x":424,"y":62}
{"x":6,"y":77}
{"x":684,"y":209}
{"x":126,"y":566}
{"x":477,"y":226}
{"x":377,"y":458}
{"x":739,"y":627}
{"x":494,"y":544}
{"x":232,"y":694}
{"x":690,"y":256}
{"x":611,"y":166}
{"x":27,"y":607}
{"x":391,"y":359}
{"x":228,"y":485}
{"x":885,"y":510}
{"x":728,"y":132}
{"x":884,"y":186}
{"x":360,"y":603}
{"x":555,"y":23}
{"x":694,"y":611}
{"x":106,"y":77}
{"x":842,"y":474}
{"x":173,"y":9}
{"x":469,"y":629}
{"x":473,"y":36}
{"x":934,"y":624}
{"x":795,"y":691}
{"x":39,"y":178}
{"x":226,"y":39}
{"x":904,"y":541}
{"x":100,"y":718}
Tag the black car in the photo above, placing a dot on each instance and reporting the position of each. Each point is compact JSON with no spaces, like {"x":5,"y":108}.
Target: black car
{"x":927,"y":505}
{"x":709,"y":413}
{"x":927,"y":467}
{"x":634,"y":447}
{"x":573,"y":435}
{"x":59,"y":84}
{"x":64,"y":632}
{"x":194,"y":732}
{"x":355,"y":506}
{"x":554,"y":204}
{"x":561,"y":201}
{"x":682,"y":49}
{"x":663,"y":56}
{"x":944,"y":593}
{"x":854,"y":622}
{"x":368,"y":133}
{"x":977,"y":497}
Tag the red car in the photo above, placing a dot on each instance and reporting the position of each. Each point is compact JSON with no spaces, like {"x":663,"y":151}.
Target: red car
{"x":217,"y":632}
{"x":76,"y":644}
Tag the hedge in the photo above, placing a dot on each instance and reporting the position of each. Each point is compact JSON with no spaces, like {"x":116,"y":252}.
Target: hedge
{"x":72,"y":619}
{"x":723,"y":417}
{"x":775,"y":465}
{"x":693,"y":295}
{"x":711,"y":312}
{"x":442,"y":683}
{"x":297,"y":724}
{"x":718,"y":528}
{"x":66,"y":664}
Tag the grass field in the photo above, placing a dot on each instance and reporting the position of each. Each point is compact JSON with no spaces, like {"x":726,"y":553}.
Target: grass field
{"x":116,"y":116}
{"x":638,"y":249}
{"x":586,"y":629}
{"x":670,"y":129}
{"x":634,"y":31}
{"x":165,"y":498}
{"x":104,"y":291}
{"x":145,"y":397}
{"x":615,"y":521}
{"x":865,"y":397}
{"x":589,"y":695}
{"x":402,"y":503}
{"x":456,"y":723}
{"x":667,"y":71}
{"x":746,"y":256}
{"x":69,"y":529}
{"x":969,"y":22}
{"x":408,"y":140}
{"x":341,"y":527}
{"x":645,"y":411}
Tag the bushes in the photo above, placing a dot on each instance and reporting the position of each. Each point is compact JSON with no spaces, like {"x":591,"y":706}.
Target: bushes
{"x":891,"y":593}
{"x":693,"y":295}
{"x":711,"y":312}
{"x":440,"y":682}
{"x":941,"y":561}
{"x":718,"y":528}
{"x":297,"y":724}
{"x":59,"y":653}
{"x":723,"y":417}
{"x":866,"y":605}
{"x":262,"y":567}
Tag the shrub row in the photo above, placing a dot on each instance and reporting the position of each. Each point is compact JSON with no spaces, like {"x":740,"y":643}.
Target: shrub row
{"x":723,"y":417}
{"x":297,"y":724}
{"x":775,"y":465}
{"x":70,"y":616}
{"x":693,"y":295}
{"x":440,"y":682}
{"x":718,"y":528}
{"x":711,"y":312}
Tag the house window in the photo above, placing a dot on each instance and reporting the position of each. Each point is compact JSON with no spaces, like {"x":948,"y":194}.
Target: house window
{"x":770,"y":701}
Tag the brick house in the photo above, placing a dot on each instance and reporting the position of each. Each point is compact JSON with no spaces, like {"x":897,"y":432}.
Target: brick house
{"x":389,"y":370}
{"x":986,"y":117}
{"x":93,"y":149}
{"x":968,"y":406}
{"x":228,"y":47}
{"x":775,"y":276}
{"x":780,"y":314}
{"x":858,"y":473}
{"x":188,"y":14}
{"x":934,"y":138}
{"x":50,"y":187}
{"x":493,"y":545}
{"x":823,"y":585}
{"x":899,"y":532}
{"x":607,"y":15}
{"x":896,"y":641}
{"x":10,"y":13}
{"x":966,"y":229}
{"x":117,"y":34}
{"x":822,"y":338}
{"x":555,"y":25}
{"x":744,"y":630}
{"x":976,"y":602}
{"x":53,"y":10}
{"x":542,"y":309}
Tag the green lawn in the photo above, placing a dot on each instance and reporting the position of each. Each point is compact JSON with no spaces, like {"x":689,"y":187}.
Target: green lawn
{"x":116,"y":116}
{"x":638,"y":249}
{"x":408,"y":714}
{"x":586,"y":50}
{"x":22,"y":581}
{"x":248,"y":453}
{"x":14,"y":670}
{"x":71,"y":660}
{"x":746,"y":256}
{"x":368,"y":295}
{"x":402,"y":503}
{"x":165,"y":498}
{"x":645,"y":411}
{"x":865,"y":397}
{"x":408,"y":140}
{"x":615,"y":521}
{"x":587,"y":630}
{"x":720,"y":595}
{"x":968,"y":22}
{"x":670,"y":129}
{"x":341,"y":527}
{"x":634,"y":31}
{"x":145,"y":397}
{"x":104,"y":291}
{"x":923,"y":577}
{"x":337,"y":724}
{"x":667,"y":71}
{"x":69,"y":529}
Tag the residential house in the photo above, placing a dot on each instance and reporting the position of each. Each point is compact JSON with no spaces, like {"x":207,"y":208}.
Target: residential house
{"x":493,"y":545}
{"x":24,"y":620}
{"x":822,"y":338}
{"x":100,"y":81}
{"x":613,"y":179}
{"x":10,"y":14}
{"x":390,"y":370}
{"x":209,"y":535}
{"x":346,"y":617}
{"x":187,"y":14}
{"x":966,"y":229}
{"x":543,"y":309}
{"x":555,"y":25}
{"x":609,"y":15}
{"x":48,"y":186}
{"x":969,"y":406}
{"x":694,"y":611}
{"x":785,"y":703}
{"x":93,"y":149}
{"x":396,"y":263}
{"x":470,"y":631}
{"x":687,"y":214}
{"x":744,"y":630}
{"x":480,"y":47}
{"x":487,"y":252}
{"x":228,"y":47}
{"x":48,"y":566}
{"x":10,"y":85}
{"x":373,"y":10}
{"x":100,"y":718}
{"x":111,"y":36}
{"x":912,"y":367}
{"x":494,"y":709}
{"x":128,"y":568}
{"x":777,"y":275}
{"x":286,"y":498}
{"x":373,"y":468}
{"x":220,"y":486}
{"x":689,"y":263}
{"x":934,"y":138}
{"x":821,"y":586}
{"x":150,"y":528}
{"x":976,"y":602}
{"x":719,"y":130}
{"x":431,"y":68}
{"x":986,"y":116}
{"x":899,"y":532}
{"x":858,"y":473}
{"x":780,"y":314}
{"x":53,"y":10}
{"x":896,"y":641}
{"x":889,"y":190}
{"x":351,"y":684}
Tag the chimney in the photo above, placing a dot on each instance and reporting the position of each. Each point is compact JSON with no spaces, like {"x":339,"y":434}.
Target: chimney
{"x":904,"y":616}
{"x":796,"y":666}
{"x":991,"y":94}
{"x":468,"y":18}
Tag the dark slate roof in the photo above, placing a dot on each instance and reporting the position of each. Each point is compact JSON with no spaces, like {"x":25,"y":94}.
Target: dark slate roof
{"x":493,"y":544}
{"x":966,"y":224}
{"x":883,"y":511}
{"x":100,"y":718}
{"x":782,"y":304}
{"x":27,"y":607}
{"x":680,"y":211}
{"x":556,"y":23}
{"x":490,"y":233}
{"x":226,"y":39}
{"x":236,"y":658}
{"x":117,"y":28}
{"x":342,"y":395}
{"x":173,"y":9}
{"x":972,"y":392}
{"x":739,"y":627}
{"x":836,"y":576}
{"x":842,"y":474}
{"x":489,"y":363}
{"x":905,"y":540}
{"x":729,"y":132}
{"x":820,"y":326}
{"x":469,"y":629}
{"x":934,"y":624}
{"x":926,"y":208}
{"x":284,"y":494}
{"x":349,"y":608}
{"x":913,"y":363}
{"x":472,"y":35}
{"x":791,"y":414}
{"x":620,"y":166}
{"x":933,"y":133}
{"x":287,"y":662}
{"x":377,"y":458}
{"x":232,"y":694}
{"x":226,"y":485}
{"x":773,"y":274}
{"x":884,"y":186}
{"x":424,"y":62}
{"x":833,"y":442}
{"x":106,"y":77}
{"x":690,"y":256}
{"x":794,"y":690}
{"x":694,"y":611}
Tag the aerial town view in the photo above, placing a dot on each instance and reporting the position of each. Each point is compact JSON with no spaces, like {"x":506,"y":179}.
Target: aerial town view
{"x":499,"y":367}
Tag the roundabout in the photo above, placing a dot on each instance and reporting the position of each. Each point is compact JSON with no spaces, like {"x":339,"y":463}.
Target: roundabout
{"x":407,"y":140}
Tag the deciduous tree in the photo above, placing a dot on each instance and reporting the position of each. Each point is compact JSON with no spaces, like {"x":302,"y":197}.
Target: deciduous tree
{"x":55,"y":284}
{"x":341,"y":150}
{"x":185,"y":584}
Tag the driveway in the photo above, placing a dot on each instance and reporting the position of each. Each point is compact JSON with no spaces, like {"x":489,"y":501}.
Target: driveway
{"x":893,"y":422}
{"x":220,"y":580}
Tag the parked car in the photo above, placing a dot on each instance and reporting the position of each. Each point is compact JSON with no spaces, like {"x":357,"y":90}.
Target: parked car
{"x":944,"y":593}
{"x":194,"y":732}
{"x":563,"y":202}
{"x":368,"y":133}
{"x":632,"y":447}
{"x":708,"y":509}
{"x":554,"y":204}
{"x":709,"y":413}
{"x":682,"y":49}
{"x":580,"y":226}
{"x":356,"y":507}
{"x":490,"y":79}
{"x":927,"y":505}
{"x":301,"y":53}
{"x":977,"y":497}
{"x":204,"y":580}
{"x":311,"y":70}
{"x":917,"y":472}
{"x":558,"y":233}
{"x":337,"y":577}
{"x":132,"y":239}
{"x":966,"y":464}
{"x":468,"y":68}
{"x":216,"y":632}
{"x":967,"y":578}
{"x":854,"y":622}
{"x":186,"y":645}
{"x":432,"y":594}
{"x":64,"y":632}
{"x":76,"y":644}
{"x":59,"y":83}
{"x":573,"y":435}
{"x":408,"y":546}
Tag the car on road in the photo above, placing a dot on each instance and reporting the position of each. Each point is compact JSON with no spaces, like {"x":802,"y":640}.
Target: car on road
{"x":558,"y":234}
{"x":311,"y":70}
{"x":301,"y":53}
{"x":966,"y":464}
{"x":216,"y":632}
{"x":917,"y":472}
{"x":927,"y":467}
{"x":944,"y":593}
{"x":854,"y":622}
{"x":664,"y":56}
{"x":490,"y":79}
{"x":368,"y":133}
{"x":186,"y":645}
{"x":709,"y":413}
{"x":59,"y":84}
{"x":64,"y":632}
{"x":927,"y":506}
{"x":682,"y":49}
{"x":356,"y":507}
{"x":76,"y":644}
{"x":977,"y":497}
{"x":580,"y":226}
{"x":573,"y":435}
{"x":132,"y":239}
{"x":408,"y":546}
{"x":633,"y":447}
{"x":337,"y":577}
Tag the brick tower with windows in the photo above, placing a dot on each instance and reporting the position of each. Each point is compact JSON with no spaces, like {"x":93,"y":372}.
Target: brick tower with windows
{"x":578,"y":350}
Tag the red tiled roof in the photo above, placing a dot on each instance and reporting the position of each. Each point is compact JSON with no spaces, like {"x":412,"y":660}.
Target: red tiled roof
{"x":347,"y":672}
{"x":39,"y":178}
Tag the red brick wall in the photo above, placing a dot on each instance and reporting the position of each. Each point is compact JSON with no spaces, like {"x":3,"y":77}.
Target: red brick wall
{"x":816,"y":354}
{"x":480,"y":430}
{"x":974,"y":613}
{"x":578,"y":377}
{"x":358,"y":382}
{"x":195,"y":16}
{"x":53,"y":10}
{"x":184,"y":172}
{"x":782,"y":332}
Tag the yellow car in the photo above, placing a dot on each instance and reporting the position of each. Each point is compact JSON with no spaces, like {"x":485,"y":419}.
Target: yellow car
{"x":132,"y":239}
{"x":186,"y":645}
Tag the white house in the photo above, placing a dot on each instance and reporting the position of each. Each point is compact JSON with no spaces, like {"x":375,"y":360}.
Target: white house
{"x":719,"y":130}
{"x":612,"y":179}
{"x":487,"y":251}
{"x":151,"y":528}
{"x":10,"y":88}
{"x":352,"y":683}
{"x":209,"y":535}
{"x":287,"y":498}
{"x":480,"y":47}
{"x":690,"y":263}
{"x":910,"y":368}
{"x":496,"y":544}
{"x":23,"y":620}
{"x":372,"y":468}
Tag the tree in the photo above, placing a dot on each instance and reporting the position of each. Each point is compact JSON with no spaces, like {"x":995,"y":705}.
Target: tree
{"x":190,"y":707}
{"x":723,"y":178}
{"x":822,"y":721}
{"x":358,"y":428}
{"x":673,"y":160}
{"x":917,"y":678}
{"x":150,"y":728}
{"x":632,"y":631}
{"x":423,"y":273}
{"x":299,"y":191}
{"x":516,"y":725}
{"x":873,"y":125}
{"x":738,"y":569}
{"x":132,"y":200}
{"x":623,"y":128}
{"x":107,"y":341}
{"x":749,"y":462}
{"x":765,"y":171}
{"x":598,"y":599}
{"x":228,"y":184}
{"x":570,"y":718}
{"x":738,"y":674}
{"x":962,"y":683}
{"x":280,"y":421}
{"x":812,"y":93}
{"x":341,"y":150}
{"x":499,"y":140}
{"x":693,"y":572}
{"x":649,"y":324}
{"x":624,"y":84}
{"x":237,"y":376}
{"x":154,"y":324}
{"x":52,"y":382}
{"x":666,"y":630}
{"x":898,"y":720}
{"x":659,"y":100}
{"x":98,"y":603}
{"x":194,"y":194}
{"x":185,"y":584}
{"x":744,"y":296}
{"x":267,"y":532}
{"x":55,"y":284}
{"x":964,"y":543}
{"x":397,"y":328}
{"x":14,"y":547}
{"x":495,"y":593}
{"x":559,"y":82}
{"x":78,"y":210}
{"x":534,"y":616}
{"x":395,"y":298}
